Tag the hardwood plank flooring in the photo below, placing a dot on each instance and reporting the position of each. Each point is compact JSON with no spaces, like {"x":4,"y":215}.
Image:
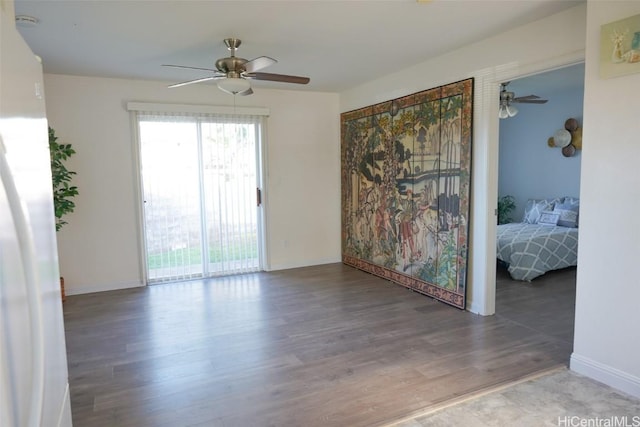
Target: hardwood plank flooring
{"x":547,"y":304}
{"x":317,"y":346}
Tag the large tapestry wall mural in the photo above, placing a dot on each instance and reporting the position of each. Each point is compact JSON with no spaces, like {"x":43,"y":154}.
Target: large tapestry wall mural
{"x":406,"y":175}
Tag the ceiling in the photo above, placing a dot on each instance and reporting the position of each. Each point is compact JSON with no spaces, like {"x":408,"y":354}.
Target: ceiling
{"x":338,"y":44}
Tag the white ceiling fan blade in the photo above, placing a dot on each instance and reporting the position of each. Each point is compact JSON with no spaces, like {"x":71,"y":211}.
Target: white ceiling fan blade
{"x":191,"y":68}
{"x":259,"y":63}
{"x":204,"y":79}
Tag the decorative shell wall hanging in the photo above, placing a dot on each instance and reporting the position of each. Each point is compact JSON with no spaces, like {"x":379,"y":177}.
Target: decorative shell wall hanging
{"x":569,"y":139}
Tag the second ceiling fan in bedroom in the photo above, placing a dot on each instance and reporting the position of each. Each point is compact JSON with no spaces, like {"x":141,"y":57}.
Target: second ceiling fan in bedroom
{"x":233,"y":73}
{"x":507,"y":98}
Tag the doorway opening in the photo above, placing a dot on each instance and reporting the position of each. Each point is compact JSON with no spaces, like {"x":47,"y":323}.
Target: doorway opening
{"x":200,"y":175}
{"x":533,"y":170}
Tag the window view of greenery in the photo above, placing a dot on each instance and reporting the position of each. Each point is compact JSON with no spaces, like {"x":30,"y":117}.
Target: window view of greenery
{"x":193,"y":256}
{"x":199,"y":181}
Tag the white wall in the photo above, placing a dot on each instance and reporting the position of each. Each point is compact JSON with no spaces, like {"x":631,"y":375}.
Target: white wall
{"x":607,"y":337}
{"x":99,"y":249}
{"x":545,"y":44}
{"x":528,"y":167}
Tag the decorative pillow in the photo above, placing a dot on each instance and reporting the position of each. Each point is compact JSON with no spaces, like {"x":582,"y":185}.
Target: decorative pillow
{"x":555,"y":201}
{"x":572,"y":200}
{"x":535,"y":207}
{"x":549,"y":218}
{"x":575,"y":203}
{"x":568,"y":215}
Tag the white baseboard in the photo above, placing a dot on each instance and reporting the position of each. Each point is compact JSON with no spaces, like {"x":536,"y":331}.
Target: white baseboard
{"x":476,"y":308}
{"x":86,"y":289}
{"x":605,"y":374}
{"x":309,"y":263}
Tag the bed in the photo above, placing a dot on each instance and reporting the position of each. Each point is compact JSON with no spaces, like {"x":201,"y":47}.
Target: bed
{"x":546,"y":240}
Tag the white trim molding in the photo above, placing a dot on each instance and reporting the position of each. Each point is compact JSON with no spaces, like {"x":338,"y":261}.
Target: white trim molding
{"x":309,"y":263}
{"x":605,"y":374}
{"x":86,"y":289}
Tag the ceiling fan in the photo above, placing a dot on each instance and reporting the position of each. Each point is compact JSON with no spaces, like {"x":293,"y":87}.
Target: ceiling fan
{"x":507,"y":98}
{"x":233,"y":73}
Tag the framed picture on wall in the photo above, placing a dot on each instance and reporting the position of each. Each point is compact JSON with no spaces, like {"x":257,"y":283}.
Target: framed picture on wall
{"x":620,"y":47}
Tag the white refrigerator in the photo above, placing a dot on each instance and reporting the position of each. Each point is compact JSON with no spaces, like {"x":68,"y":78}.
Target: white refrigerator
{"x":34,"y":388}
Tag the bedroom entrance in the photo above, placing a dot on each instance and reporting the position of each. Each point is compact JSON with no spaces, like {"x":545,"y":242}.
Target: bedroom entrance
{"x":200,"y":178}
{"x":538,"y":241}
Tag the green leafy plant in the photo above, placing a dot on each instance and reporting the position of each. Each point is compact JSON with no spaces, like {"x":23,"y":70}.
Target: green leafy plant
{"x":506,"y":204}
{"x":63,"y":191}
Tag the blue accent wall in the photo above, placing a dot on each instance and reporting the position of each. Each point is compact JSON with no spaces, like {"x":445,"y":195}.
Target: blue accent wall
{"x":528,"y":167}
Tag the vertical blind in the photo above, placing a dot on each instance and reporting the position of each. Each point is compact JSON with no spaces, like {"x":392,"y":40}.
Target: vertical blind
{"x":199,"y":174}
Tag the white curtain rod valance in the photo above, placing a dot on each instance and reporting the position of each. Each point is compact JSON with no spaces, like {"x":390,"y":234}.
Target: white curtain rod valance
{"x":196,"y":109}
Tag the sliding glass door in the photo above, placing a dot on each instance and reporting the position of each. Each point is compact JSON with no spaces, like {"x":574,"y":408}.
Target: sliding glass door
{"x":229,"y":182}
{"x":200,"y":177}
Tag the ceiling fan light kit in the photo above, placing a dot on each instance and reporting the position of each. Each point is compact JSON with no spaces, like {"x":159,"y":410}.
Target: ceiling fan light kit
{"x":233,"y":73}
{"x":234,"y":85}
{"x":507,"y":110}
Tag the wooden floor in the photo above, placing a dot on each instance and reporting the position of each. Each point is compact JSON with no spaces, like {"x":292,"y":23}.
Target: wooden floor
{"x":317,"y":346}
{"x":546,"y":305}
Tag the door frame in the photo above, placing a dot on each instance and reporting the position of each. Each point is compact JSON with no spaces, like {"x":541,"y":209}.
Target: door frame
{"x":481,"y":292}
{"x":136,"y":160}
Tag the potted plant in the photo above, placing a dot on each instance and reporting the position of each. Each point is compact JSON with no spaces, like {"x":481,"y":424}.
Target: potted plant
{"x":63,"y":191}
{"x":506,"y":204}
